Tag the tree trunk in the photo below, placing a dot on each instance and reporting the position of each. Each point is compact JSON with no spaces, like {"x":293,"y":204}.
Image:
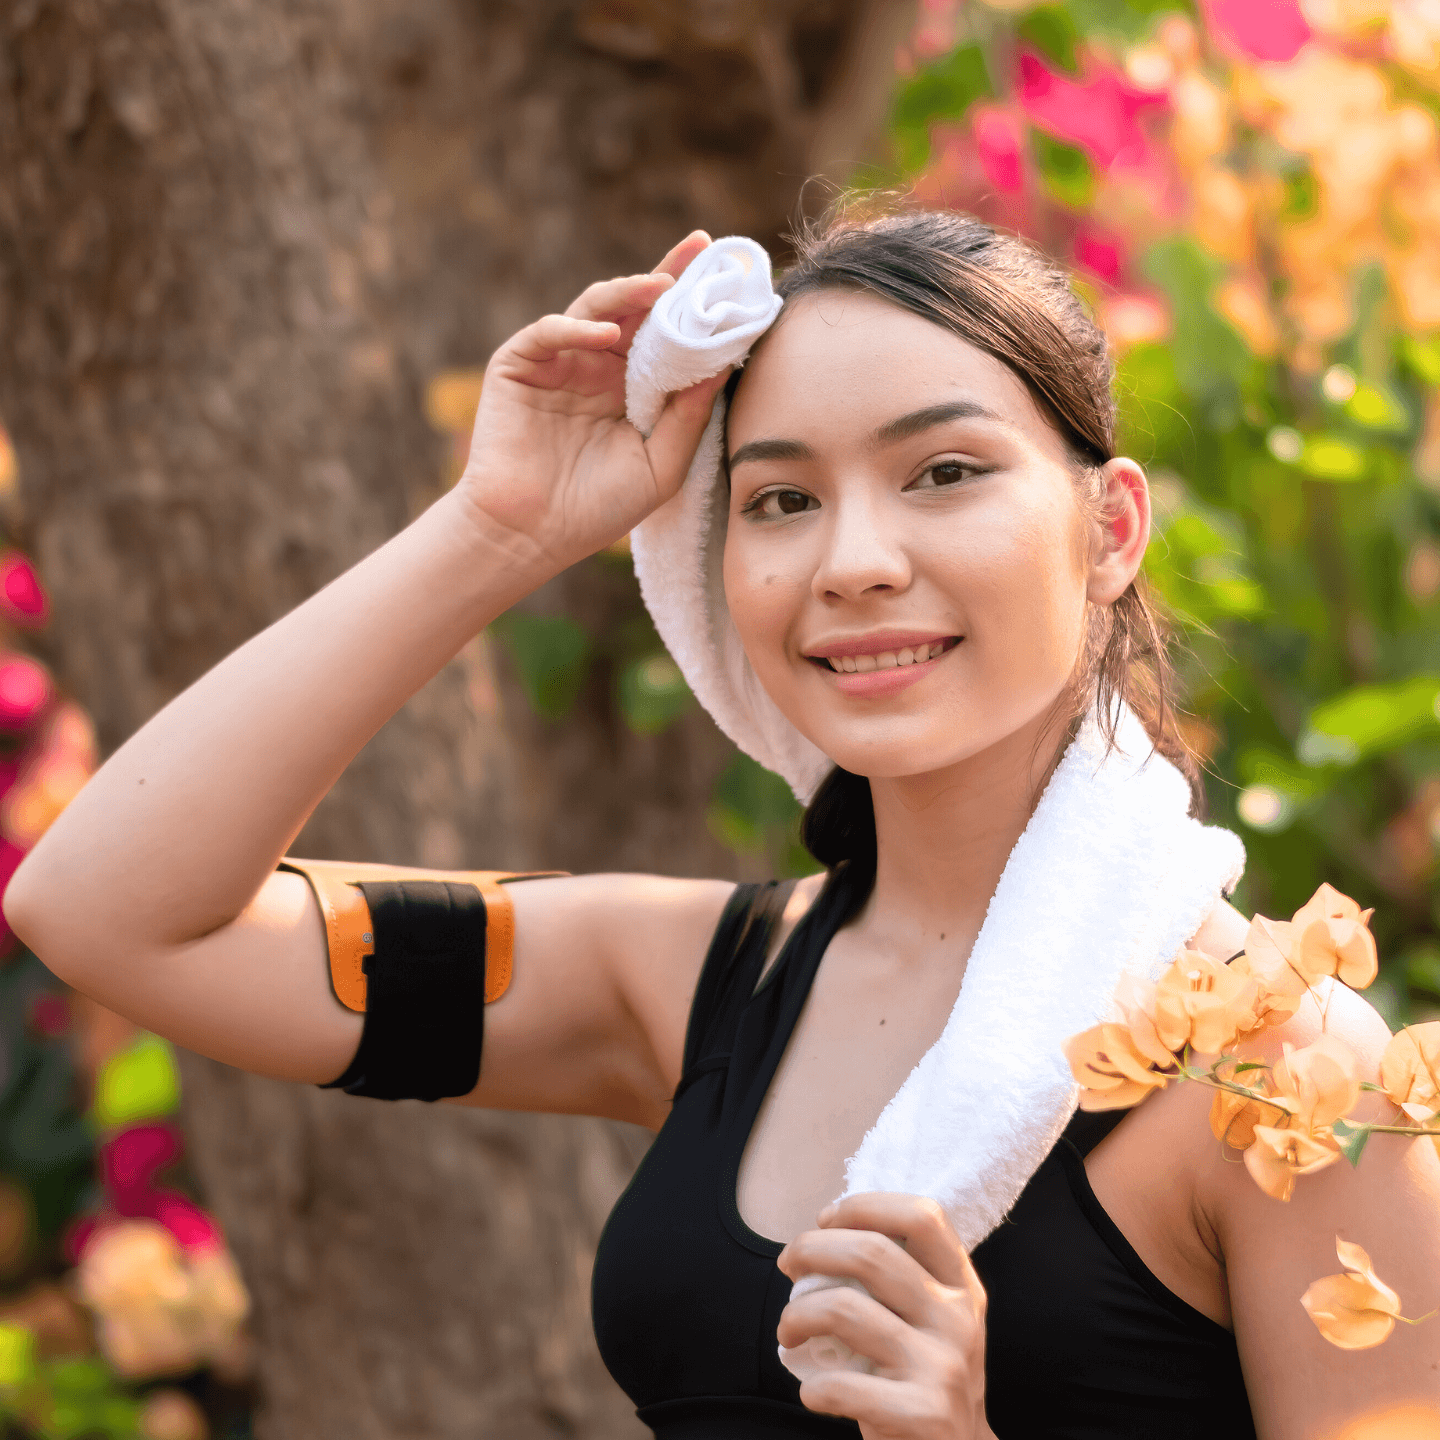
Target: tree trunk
{"x":236,"y":236}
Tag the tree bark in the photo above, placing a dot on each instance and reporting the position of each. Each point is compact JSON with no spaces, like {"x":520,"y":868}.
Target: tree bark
{"x":236,"y":236}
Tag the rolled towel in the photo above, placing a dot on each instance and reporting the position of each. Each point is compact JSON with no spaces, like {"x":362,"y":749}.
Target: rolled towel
{"x":707,"y":320}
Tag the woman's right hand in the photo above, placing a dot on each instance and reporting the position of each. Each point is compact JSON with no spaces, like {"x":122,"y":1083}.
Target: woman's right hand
{"x":554,"y":463}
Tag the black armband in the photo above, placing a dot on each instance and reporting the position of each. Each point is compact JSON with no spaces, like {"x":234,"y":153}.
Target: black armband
{"x":419,"y":953}
{"x":425,"y":992}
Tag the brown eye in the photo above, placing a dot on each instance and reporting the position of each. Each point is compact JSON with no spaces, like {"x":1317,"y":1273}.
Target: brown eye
{"x":791,"y":502}
{"x":948,"y":472}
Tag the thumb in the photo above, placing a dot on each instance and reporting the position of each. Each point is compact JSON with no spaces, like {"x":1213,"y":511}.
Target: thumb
{"x":673,"y":442}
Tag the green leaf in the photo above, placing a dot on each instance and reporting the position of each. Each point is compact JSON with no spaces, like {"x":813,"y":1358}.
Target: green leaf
{"x":943,"y":91}
{"x":1328,"y":457}
{"x":1352,"y":1138}
{"x":138,"y":1083}
{"x":1421,"y":968}
{"x":17,"y":1355}
{"x":1065,"y":171}
{"x":1369,"y":720}
{"x":1423,"y":357}
{"x":1245,"y":1065}
{"x":653,"y":693}
{"x":551,"y":654}
{"x":1377,"y":409}
{"x":748,"y":802}
{"x":1051,"y":30}
{"x":1302,"y":194}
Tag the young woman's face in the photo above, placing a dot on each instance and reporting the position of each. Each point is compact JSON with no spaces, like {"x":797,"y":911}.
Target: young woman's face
{"x":896,"y":494}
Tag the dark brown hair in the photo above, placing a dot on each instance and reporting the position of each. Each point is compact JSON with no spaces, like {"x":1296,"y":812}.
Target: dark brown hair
{"x":1005,"y":298}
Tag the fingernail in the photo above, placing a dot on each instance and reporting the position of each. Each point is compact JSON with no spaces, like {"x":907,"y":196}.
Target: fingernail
{"x":828,"y":1213}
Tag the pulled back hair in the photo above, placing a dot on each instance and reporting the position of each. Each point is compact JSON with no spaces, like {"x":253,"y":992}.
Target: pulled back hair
{"x":1003,"y":296}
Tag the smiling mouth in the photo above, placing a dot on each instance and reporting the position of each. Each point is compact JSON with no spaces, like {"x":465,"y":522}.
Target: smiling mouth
{"x":886,"y":659}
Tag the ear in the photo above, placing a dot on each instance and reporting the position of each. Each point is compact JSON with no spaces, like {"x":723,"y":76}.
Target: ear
{"x":1124,"y":531}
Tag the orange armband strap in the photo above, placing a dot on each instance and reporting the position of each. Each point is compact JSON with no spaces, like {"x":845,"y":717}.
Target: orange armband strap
{"x":351,"y":940}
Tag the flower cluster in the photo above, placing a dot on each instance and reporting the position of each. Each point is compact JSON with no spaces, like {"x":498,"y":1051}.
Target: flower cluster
{"x":1289,"y":1118}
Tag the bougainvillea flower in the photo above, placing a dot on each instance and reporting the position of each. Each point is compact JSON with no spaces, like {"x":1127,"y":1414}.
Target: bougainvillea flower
{"x":22,"y":598}
{"x":1275,"y":1157}
{"x":1112,"y":1072}
{"x":1100,"y":252}
{"x":1410,"y":1070}
{"x":158,"y":1310}
{"x":1333,"y":938}
{"x":1000,"y":144}
{"x":1130,"y":320}
{"x":1136,"y":999}
{"x":1200,"y":1002}
{"x":1269,"y":30}
{"x":24,"y":691}
{"x":1355,"y":1310}
{"x":1098,"y":114}
{"x":1233,"y":1118}
{"x":1267,"y":961}
{"x":1318,"y":1083}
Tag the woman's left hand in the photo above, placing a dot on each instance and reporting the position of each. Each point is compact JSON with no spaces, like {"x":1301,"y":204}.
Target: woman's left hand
{"x":922,"y":1323}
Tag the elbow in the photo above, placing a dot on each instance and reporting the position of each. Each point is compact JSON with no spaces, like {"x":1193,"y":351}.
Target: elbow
{"x":27,"y":909}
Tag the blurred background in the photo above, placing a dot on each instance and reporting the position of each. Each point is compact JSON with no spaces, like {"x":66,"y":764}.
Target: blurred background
{"x":253,"y":257}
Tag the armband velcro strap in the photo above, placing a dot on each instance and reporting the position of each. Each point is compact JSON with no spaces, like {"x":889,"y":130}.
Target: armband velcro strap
{"x":350,"y":937}
{"x":425,"y":1011}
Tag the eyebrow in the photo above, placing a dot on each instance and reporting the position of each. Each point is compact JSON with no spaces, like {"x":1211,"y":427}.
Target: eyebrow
{"x":903,"y":427}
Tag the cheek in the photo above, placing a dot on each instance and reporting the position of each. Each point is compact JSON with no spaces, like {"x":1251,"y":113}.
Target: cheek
{"x":764,"y":587}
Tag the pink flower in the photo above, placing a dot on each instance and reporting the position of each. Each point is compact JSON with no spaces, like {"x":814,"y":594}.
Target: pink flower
{"x":1000,"y":143}
{"x":1098,"y":115}
{"x":24,"y":691}
{"x":22,"y":600}
{"x":1101,"y":254}
{"x":1261,"y":29}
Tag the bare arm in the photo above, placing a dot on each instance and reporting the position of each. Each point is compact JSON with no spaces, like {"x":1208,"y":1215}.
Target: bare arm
{"x":155,"y":891}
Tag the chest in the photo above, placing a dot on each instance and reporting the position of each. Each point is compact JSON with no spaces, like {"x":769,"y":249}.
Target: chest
{"x":869,"y":1017}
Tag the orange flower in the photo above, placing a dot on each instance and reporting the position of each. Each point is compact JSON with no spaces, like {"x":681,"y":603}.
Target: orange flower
{"x":1317,"y":1084}
{"x":1200,"y":1002}
{"x":1112,"y":1071}
{"x":1281,"y":986}
{"x":1276,"y":1157}
{"x":1410,"y":1071}
{"x":1136,"y":999}
{"x":1332,"y":937}
{"x":1355,"y":1310}
{"x":1233,"y":1118}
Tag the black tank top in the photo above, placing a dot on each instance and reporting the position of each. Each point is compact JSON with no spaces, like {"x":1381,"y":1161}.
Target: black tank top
{"x":1082,"y":1341}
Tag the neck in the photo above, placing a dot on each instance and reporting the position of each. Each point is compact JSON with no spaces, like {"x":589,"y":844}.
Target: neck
{"x":942,"y":838}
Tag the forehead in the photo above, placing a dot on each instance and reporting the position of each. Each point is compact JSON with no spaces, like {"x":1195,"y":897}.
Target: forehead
{"x":840,"y":362}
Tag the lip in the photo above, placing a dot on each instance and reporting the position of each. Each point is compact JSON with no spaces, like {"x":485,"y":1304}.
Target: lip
{"x":876,"y":642}
{"x":875,"y":683}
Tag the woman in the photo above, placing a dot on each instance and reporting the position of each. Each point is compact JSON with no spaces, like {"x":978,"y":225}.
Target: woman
{"x":894,"y":487}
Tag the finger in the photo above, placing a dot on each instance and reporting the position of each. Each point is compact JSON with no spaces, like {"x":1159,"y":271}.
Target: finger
{"x":672,"y":443}
{"x":887,"y":1406}
{"x":682,"y":254}
{"x":551,"y":334}
{"x":615,"y":299}
{"x":899,"y":1282}
{"x":864,"y":1324}
{"x":914,"y":1221}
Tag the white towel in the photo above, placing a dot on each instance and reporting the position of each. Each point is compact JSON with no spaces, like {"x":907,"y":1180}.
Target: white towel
{"x":1111,"y":875}
{"x":707,"y":320}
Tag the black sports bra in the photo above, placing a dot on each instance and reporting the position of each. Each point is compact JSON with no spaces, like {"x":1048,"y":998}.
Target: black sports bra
{"x":1082,"y":1342}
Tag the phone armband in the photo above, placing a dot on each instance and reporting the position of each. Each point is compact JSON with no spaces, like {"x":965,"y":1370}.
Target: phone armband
{"x":419,"y":953}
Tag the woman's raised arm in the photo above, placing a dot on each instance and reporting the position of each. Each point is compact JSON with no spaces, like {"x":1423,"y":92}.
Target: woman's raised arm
{"x":156,"y":892}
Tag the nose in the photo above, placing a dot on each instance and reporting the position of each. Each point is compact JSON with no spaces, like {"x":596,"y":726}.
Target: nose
{"x":864,"y":552}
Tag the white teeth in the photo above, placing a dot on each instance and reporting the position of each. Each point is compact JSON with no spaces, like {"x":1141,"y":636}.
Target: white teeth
{"x":886,"y":659}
